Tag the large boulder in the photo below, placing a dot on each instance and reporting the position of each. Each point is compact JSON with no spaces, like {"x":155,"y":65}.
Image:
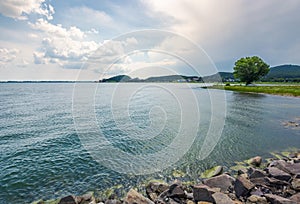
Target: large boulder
{"x":203,"y":193}
{"x":278,"y":174}
{"x":275,"y":199}
{"x":223,"y":181}
{"x":242,"y":186}
{"x":134,"y":197}
{"x":291,"y":168}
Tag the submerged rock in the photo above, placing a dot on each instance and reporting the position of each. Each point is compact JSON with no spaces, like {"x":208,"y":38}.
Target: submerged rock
{"x":215,"y":171}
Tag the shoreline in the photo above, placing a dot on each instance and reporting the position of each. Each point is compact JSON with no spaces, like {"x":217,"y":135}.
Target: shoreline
{"x":286,"y":91}
{"x":256,"y":180}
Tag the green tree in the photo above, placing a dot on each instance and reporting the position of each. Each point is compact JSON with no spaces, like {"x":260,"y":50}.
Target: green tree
{"x":249,"y":69}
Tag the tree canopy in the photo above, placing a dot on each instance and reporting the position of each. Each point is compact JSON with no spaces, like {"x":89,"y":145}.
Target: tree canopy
{"x":249,"y":69}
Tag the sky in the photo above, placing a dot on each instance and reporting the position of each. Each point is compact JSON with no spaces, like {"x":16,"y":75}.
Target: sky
{"x":92,"y":39}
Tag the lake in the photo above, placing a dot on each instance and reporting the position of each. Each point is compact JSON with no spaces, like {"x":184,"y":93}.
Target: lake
{"x":58,"y":139}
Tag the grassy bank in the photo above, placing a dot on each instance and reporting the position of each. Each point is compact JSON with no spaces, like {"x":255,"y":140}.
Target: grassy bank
{"x":276,"y":90}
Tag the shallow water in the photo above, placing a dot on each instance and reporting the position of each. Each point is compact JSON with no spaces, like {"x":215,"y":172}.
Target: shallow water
{"x":43,"y":156}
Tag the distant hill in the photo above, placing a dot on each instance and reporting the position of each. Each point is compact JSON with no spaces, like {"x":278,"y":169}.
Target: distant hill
{"x":283,"y":73}
{"x":169,"y":78}
{"x":277,"y":74}
{"x":119,"y":78}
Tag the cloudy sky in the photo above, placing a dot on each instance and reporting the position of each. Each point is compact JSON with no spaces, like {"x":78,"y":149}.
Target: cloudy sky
{"x":87,"y":40}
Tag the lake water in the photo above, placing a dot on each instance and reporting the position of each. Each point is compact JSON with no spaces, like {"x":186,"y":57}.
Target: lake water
{"x":49,"y":146}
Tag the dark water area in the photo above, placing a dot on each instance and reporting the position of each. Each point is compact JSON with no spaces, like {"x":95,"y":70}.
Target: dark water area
{"x":42,"y":154}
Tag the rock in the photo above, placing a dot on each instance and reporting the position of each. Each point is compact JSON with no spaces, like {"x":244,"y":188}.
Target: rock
{"x":278,"y":174}
{"x":202,"y":193}
{"x":134,"y":197}
{"x":276,"y":182}
{"x":255,"y":161}
{"x":154,"y":189}
{"x":215,"y":171}
{"x":291,"y":168}
{"x":295,"y":198}
{"x":176,"y":191}
{"x":261,"y":181}
{"x":87,"y":198}
{"x":68,"y":200}
{"x":257,"y":192}
{"x":275,"y":199}
{"x":242,"y":186}
{"x":257,"y":199}
{"x":204,"y":202}
{"x":221,"y":198}
{"x":223,"y":181}
{"x":257,"y":173}
{"x":296,"y":183}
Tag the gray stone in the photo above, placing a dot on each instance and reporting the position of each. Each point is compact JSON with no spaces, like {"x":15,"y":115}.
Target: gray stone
{"x":134,"y":197}
{"x":275,"y":199}
{"x":242,"y":186}
{"x":202,"y":193}
{"x":223,"y":181}
{"x":68,"y":200}
{"x":278,"y":174}
{"x":221,"y":198}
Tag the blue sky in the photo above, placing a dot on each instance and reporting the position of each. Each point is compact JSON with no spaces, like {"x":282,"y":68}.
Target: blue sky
{"x":87,"y":40}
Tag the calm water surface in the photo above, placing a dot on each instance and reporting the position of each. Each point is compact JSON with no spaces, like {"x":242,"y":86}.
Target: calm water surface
{"x":42,"y":156}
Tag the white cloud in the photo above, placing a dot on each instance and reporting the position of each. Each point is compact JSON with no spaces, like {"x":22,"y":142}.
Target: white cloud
{"x":19,"y":9}
{"x":67,"y":47}
{"x":230,"y":29}
{"x":7,"y":56}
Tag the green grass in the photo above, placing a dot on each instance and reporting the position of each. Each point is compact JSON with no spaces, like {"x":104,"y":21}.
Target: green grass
{"x":276,"y":90}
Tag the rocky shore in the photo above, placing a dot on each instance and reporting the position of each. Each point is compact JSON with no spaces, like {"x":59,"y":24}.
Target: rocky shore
{"x":275,"y":181}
